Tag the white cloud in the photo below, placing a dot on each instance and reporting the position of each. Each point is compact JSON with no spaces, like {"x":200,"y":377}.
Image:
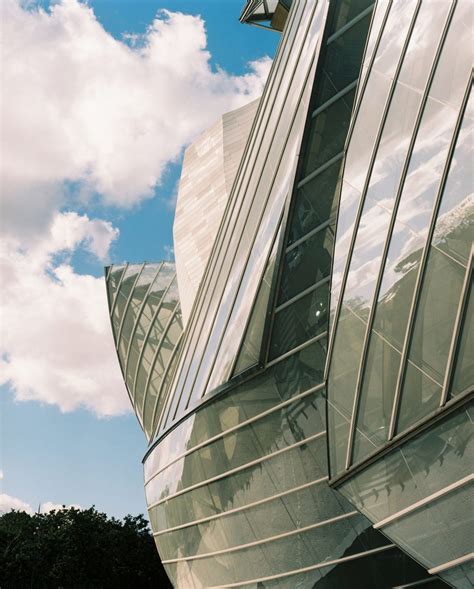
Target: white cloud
{"x":50,"y":506}
{"x":7,"y":503}
{"x":86,"y":115}
{"x":82,"y":107}
{"x":57,"y":345}
{"x":1,"y":474}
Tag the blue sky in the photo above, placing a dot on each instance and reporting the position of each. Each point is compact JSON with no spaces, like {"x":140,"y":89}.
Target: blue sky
{"x":97,"y":110}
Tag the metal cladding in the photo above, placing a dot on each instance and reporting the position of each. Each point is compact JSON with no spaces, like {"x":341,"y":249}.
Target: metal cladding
{"x":315,"y":427}
{"x":209,"y":168}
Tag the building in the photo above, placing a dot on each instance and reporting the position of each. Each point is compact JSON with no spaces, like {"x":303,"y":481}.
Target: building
{"x":311,"y":422}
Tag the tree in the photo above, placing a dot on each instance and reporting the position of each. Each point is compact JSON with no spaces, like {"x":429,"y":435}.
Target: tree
{"x":72,"y":548}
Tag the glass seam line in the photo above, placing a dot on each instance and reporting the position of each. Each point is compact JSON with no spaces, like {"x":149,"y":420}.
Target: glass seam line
{"x":422,"y":268}
{"x":242,"y":507}
{"x":297,"y":349}
{"x":306,"y":569}
{"x":452,"y":563}
{"x":422,"y":502}
{"x":302,"y":294}
{"x":265,"y":540}
{"x":350,"y":24}
{"x":150,"y":327}
{"x":333,"y":99}
{"x":236,"y":427}
{"x":264,"y":210}
{"x":246,"y":164}
{"x":227,"y":473}
{"x":127,"y":306}
{"x":310,"y":234}
{"x":363,"y":194}
{"x":119,"y":286}
{"x":162,"y":384}
{"x":139,"y":315}
{"x":458,"y":324}
{"x":388,"y":239}
{"x":166,"y":329}
{"x":320,"y":170}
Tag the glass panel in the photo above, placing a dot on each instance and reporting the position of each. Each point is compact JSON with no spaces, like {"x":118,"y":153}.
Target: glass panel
{"x":389,"y":569}
{"x":249,"y":354}
{"x":422,"y":466}
{"x":318,"y":545}
{"x":431,"y":338}
{"x":341,"y":382}
{"x":315,"y":202}
{"x":275,"y":475}
{"x":292,"y":376}
{"x":300,"y":321}
{"x":394,"y":36}
{"x":454,"y":233}
{"x":400,"y":273}
{"x":271,"y":433}
{"x":424,"y":41}
{"x":376,"y":397}
{"x":438,"y":532}
{"x":306,"y":264}
{"x":302,"y":508}
{"x":115,"y":275}
{"x":463,"y":374}
{"x":325,"y":140}
{"x":345,"y":11}
{"x":462,"y":576}
{"x":128,"y":281}
{"x":342,"y":61}
{"x":454,"y":66}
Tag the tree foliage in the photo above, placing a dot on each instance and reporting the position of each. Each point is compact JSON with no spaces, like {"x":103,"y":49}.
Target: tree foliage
{"x":72,"y":548}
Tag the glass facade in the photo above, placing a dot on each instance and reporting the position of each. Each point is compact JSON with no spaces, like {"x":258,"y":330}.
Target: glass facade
{"x":311,"y":424}
{"x":147,"y":327}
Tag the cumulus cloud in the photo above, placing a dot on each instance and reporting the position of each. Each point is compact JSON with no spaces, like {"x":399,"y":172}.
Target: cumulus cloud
{"x":85,"y":118}
{"x":49,"y":506}
{"x":84,"y":113}
{"x":7,"y":503}
{"x":56,"y":345}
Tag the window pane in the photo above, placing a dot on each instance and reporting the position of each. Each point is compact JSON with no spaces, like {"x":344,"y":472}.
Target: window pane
{"x":315,"y":202}
{"x":306,"y":264}
{"x":327,"y":133}
{"x":342,"y":61}
{"x":431,"y":338}
{"x":301,"y":321}
{"x":463,"y":376}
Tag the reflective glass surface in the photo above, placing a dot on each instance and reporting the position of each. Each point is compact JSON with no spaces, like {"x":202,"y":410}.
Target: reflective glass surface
{"x":463,"y":375}
{"x":303,"y":267}
{"x":422,"y":466}
{"x":315,"y":201}
{"x":325,"y":139}
{"x":300,"y":321}
{"x":440,"y":531}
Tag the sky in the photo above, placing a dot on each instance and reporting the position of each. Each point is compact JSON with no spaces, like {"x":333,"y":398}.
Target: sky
{"x":98,"y":102}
